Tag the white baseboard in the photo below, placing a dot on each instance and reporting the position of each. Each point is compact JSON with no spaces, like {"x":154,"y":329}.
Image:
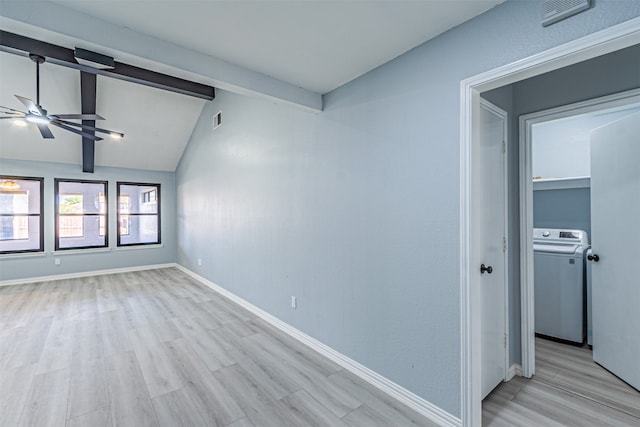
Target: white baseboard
{"x":514,"y":370}
{"x":415,"y":402}
{"x":84,"y":274}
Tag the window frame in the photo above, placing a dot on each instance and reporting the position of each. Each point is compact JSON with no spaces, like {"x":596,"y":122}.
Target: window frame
{"x":119,"y":215}
{"x":41,"y":214}
{"x":56,"y":207}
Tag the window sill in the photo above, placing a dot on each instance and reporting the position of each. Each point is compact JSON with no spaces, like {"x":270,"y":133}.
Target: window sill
{"x":23,"y":255}
{"x":139,"y":247}
{"x":80,"y":251}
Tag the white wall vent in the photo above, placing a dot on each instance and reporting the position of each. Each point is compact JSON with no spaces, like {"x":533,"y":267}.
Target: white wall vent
{"x":557,"y":10}
{"x":217,"y":120}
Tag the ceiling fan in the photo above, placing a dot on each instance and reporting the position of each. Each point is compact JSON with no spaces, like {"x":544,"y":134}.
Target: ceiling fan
{"x":38,"y":115}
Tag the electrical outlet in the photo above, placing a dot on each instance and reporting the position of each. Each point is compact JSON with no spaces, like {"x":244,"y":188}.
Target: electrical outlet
{"x":294,"y":302}
{"x":199,"y":261}
{"x":56,"y":261}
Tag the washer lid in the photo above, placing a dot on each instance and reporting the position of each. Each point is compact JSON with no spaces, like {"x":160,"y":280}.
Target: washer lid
{"x":556,"y":248}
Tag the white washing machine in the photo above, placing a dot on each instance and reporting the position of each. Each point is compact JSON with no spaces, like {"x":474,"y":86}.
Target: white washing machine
{"x":559,"y":283}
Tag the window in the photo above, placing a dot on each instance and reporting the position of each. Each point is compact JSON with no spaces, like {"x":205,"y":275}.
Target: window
{"x":149,"y":196}
{"x":81,"y":214}
{"x":21,"y":218}
{"x":138,"y":213}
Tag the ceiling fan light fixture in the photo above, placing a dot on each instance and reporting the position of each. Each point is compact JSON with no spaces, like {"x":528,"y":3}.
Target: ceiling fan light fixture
{"x":9,"y":185}
{"x":19,"y":122}
{"x":39,"y":116}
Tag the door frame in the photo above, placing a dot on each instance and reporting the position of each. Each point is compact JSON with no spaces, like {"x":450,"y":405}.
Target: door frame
{"x":505,"y":197}
{"x":602,"y":42}
{"x":618,"y":101}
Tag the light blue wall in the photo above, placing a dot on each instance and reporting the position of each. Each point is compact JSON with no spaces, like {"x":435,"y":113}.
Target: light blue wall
{"x":563,"y":208}
{"x":616,"y":72}
{"x":43,"y":265}
{"x":356,"y":210}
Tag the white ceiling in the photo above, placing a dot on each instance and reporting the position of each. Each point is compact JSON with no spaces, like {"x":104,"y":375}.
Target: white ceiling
{"x":317,"y":45}
{"x":311,"y":44}
{"x":561,"y":148}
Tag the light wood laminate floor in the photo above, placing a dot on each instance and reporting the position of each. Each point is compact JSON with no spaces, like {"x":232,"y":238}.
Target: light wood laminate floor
{"x":156,"y":348}
{"x":568,"y":389}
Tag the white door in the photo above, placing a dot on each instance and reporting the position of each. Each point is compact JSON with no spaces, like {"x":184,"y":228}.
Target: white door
{"x":490,"y":222}
{"x":615,"y":229}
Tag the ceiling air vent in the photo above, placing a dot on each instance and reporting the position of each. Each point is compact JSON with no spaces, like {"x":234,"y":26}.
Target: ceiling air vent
{"x":557,"y":10}
{"x":217,"y":120}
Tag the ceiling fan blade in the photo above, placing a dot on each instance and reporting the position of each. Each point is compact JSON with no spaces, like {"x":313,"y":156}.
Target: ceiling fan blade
{"x":11,"y":117}
{"x":31,"y":106}
{"x":45,"y":131}
{"x":91,"y":128}
{"x":76,"y":131}
{"x":11,"y":110}
{"x":77,"y":116}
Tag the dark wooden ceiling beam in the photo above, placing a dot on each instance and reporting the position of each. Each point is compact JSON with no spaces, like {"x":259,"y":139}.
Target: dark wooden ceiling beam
{"x":88,"y":90}
{"x":21,"y":45}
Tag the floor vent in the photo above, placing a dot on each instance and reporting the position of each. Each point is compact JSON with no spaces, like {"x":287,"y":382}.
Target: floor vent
{"x":557,"y":10}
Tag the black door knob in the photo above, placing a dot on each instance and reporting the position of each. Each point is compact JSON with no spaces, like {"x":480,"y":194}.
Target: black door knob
{"x":594,"y":257}
{"x":484,"y":269}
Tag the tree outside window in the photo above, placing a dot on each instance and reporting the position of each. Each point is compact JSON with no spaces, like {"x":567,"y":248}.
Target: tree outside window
{"x":71,"y":226}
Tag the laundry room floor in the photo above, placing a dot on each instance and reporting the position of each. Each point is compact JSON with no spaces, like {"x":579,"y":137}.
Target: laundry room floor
{"x":569,"y":388}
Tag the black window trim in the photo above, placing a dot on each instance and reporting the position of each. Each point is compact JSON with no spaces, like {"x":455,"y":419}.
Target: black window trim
{"x":41,"y":214}
{"x":158,"y":200}
{"x":56,"y":192}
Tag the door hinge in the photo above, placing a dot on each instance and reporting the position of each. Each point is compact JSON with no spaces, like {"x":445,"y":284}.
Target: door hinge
{"x":504,"y":244}
{"x":505,"y":340}
{"x":504,"y":146}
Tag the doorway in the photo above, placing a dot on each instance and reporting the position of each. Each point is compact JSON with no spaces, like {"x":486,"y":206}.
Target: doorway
{"x":579,"y":118}
{"x":570,"y":387}
{"x":592,"y":46}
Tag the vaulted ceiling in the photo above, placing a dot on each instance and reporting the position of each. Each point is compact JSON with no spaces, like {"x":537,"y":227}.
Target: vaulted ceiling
{"x":289,"y":51}
{"x":157,"y":124}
